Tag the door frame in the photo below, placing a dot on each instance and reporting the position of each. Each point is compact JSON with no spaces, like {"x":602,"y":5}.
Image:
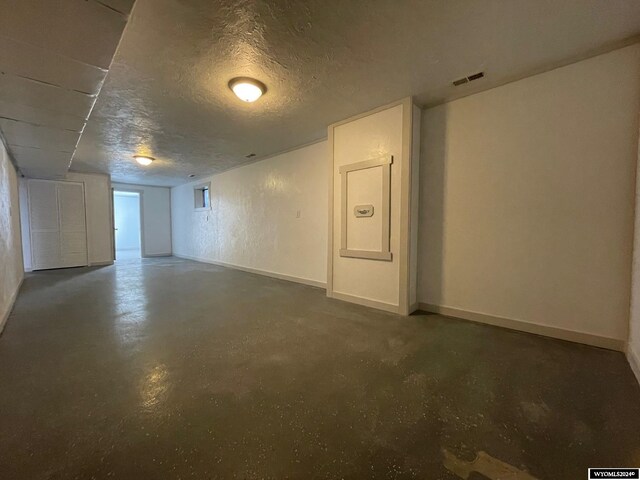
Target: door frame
{"x":143,"y":251}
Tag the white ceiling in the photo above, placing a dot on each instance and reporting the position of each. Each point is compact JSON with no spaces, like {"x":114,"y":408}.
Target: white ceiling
{"x":166,"y":93}
{"x":54,"y":56}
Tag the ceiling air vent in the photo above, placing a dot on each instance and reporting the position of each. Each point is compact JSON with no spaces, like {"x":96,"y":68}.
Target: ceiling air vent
{"x":470,"y":78}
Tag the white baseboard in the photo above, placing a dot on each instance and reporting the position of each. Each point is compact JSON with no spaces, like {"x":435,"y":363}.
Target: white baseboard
{"x":100,"y":264}
{"x":522,"y":326}
{"x":634,"y":362}
{"x":266,"y":273}
{"x":153,"y":255}
{"x":12,"y":301}
{"x":367,"y":302}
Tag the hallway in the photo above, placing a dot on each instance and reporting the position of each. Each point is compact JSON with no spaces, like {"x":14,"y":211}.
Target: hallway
{"x":167,"y":368}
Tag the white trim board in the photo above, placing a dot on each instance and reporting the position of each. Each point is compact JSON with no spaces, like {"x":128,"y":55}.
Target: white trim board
{"x":385,"y":251}
{"x":528,"y":327}
{"x":634,"y":362}
{"x":12,"y":303}
{"x":266,"y":273}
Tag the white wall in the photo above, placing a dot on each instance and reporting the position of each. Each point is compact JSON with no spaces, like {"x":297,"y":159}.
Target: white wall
{"x":11,"y":271}
{"x":633,"y":347}
{"x":527,"y":194}
{"x":97,"y":190}
{"x":156,"y":218}
{"x":253,"y":221}
{"x":126,"y":215}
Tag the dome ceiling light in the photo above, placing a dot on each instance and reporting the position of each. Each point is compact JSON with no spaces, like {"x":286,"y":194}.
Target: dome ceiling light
{"x":143,"y":159}
{"x":247,"y":89}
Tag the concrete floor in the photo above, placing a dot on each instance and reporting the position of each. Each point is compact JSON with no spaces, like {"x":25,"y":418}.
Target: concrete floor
{"x":124,"y":255}
{"x":165,"y":368}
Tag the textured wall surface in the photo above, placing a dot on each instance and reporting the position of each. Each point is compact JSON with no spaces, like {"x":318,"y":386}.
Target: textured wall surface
{"x":253,"y":221}
{"x":11,"y":271}
{"x":527,"y":195}
{"x":156,"y":221}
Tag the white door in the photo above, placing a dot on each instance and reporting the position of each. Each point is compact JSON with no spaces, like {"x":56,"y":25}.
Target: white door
{"x":43,"y":219}
{"x":58,"y":224}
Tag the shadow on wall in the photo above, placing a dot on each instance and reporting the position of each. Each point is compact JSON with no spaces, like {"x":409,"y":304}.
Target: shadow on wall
{"x":432,"y":194}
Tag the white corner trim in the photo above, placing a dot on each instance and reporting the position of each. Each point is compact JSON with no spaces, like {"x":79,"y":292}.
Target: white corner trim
{"x":528,"y":327}
{"x":266,"y":273}
{"x":12,"y":301}
{"x":367,"y":302}
{"x":634,"y":361}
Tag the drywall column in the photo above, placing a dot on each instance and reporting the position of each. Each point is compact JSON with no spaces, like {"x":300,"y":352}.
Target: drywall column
{"x":373,"y":208}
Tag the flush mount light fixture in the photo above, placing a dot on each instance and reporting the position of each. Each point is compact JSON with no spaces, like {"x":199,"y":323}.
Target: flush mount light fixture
{"x":143,"y":159}
{"x":247,"y":89}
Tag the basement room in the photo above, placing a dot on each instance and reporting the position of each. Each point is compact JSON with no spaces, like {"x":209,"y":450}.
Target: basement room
{"x":319,"y":239}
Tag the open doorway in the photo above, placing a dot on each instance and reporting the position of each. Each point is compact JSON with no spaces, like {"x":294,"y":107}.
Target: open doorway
{"x":126,"y":219}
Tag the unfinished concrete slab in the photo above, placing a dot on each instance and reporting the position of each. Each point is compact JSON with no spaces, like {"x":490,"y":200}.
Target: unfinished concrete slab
{"x":167,"y":368}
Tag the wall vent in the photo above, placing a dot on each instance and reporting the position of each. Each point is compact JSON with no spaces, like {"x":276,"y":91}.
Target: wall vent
{"x":470,"y":78}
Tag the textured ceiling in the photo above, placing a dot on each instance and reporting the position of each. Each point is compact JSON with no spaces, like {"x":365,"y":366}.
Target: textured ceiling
{"x":54,"y":57}
{"x":166,"y":94}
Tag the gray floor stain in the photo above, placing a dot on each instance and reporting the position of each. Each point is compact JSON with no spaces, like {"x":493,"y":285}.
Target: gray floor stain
{"x":536,"y":412}
{"x":486,"y":465}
